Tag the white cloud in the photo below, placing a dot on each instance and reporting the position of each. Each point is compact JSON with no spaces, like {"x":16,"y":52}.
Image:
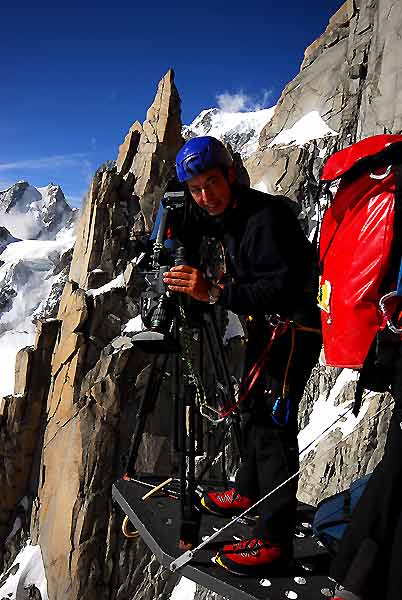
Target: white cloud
{"x":49,"y":162}
{"x":20,"y":225}
{"x":266,"y":97}
{"x":241,"y":101}
{"x":232,"y":102}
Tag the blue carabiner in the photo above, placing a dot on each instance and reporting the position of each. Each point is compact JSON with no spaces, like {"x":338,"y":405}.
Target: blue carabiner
{"x":399,"y":285}
{"x":276,"y":409}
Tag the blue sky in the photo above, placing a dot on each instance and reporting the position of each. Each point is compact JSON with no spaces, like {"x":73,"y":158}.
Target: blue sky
{"x":75,"y":76}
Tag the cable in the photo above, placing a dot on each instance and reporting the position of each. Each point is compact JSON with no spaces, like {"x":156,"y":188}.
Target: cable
{"x":131,"y":534}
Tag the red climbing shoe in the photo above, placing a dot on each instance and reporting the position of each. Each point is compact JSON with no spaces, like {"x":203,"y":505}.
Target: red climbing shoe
{"x":225,"y":503}
{"x":345,"y":595}
{"x":251,"y":557}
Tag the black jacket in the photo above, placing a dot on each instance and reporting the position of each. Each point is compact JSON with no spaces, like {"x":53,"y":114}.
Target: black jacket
{"x":270,"y":262}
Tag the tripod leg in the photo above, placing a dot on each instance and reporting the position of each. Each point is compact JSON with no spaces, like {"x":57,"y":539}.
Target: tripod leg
{"x":146,"y":406}
{"x":217,"y":351}
{"x":190,"y":516}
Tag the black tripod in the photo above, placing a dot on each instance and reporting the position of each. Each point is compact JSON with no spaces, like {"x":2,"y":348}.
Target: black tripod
{"x":189,"y":405}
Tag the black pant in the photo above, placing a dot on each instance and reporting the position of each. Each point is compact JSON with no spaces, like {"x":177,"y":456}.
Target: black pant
{"x":270,"y":449}
{"x":369,"y":561}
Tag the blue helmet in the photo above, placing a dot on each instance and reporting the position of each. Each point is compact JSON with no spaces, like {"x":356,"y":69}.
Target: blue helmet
{"x":199,"y":155}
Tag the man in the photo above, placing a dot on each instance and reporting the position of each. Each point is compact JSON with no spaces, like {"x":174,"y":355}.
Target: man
{"x":270,"y":264}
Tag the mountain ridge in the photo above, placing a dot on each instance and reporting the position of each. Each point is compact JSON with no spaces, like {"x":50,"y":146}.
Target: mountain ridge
{"x":240,"y":130}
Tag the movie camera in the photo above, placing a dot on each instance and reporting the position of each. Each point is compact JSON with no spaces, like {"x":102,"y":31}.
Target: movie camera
{"x":159,"y":305}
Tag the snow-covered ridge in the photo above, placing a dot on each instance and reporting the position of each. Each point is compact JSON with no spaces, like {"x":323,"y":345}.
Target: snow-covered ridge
{"x":239,"y":129}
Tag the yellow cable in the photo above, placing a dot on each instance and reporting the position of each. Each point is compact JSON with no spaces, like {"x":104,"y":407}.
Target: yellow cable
{"x":127,"y":532}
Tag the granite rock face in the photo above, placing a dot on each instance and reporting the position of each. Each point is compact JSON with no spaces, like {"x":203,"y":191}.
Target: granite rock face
{"x":337,"y":461}
{"x":124,"y":197}
{"x":21,"y":423}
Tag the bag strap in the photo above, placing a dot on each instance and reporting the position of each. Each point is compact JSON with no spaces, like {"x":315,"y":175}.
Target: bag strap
{"x":342,"y":519}
{"x":333,"y":523}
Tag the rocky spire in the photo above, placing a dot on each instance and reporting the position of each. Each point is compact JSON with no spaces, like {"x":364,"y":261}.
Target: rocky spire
{"x":127,"y":195}
{"x":160,"y":141}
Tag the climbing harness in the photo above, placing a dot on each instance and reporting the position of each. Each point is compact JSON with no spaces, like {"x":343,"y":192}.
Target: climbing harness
{"x":277,"y":327}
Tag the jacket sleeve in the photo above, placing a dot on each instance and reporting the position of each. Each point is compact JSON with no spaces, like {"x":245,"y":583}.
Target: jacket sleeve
{"x":268,"y":283}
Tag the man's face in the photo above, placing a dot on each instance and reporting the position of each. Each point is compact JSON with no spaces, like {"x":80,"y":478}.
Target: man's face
{"x":212,"y":190}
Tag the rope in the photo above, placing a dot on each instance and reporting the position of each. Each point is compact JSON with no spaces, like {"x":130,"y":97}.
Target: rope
{"x":294,"y":326}
{"x":292,"y":349}
{"x":191,"y":553}
{"x":277,"y":329}
{"x":131,"y":534}
{"x":249,"y":382}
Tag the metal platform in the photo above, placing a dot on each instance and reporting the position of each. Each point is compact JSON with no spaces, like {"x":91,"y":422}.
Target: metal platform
{"x":158,"y":520}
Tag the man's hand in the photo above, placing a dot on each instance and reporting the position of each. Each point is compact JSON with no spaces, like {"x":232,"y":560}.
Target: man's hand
{"x":187,"y":280}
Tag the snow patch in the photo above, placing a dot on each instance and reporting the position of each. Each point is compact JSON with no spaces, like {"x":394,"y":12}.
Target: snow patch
{"x":326,"y":412}
{"x":32,"y":252}
{"x":261,"y":186}
{"x":184,"y":590}
{"x":234,"y":328}
{"x":310,"y":127}
{"x":117,"y":282}
{"x":30,"y":572}
{"x":134,"y":325}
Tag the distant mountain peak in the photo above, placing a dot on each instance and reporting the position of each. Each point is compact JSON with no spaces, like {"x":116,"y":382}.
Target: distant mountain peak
{"x":239,"y":129}
{"x":34,"y":213}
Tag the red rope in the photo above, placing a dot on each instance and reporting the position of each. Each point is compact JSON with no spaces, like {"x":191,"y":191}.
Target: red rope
{"x":255,"y":371}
